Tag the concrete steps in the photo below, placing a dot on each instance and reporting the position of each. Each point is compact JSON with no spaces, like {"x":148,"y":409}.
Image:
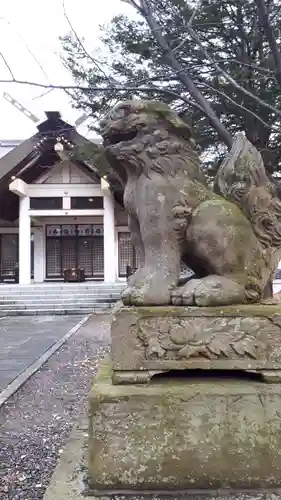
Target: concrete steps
{"x":58,"y":298}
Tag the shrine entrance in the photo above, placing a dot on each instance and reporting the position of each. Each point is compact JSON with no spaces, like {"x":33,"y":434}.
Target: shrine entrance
{"x":74,"y":246}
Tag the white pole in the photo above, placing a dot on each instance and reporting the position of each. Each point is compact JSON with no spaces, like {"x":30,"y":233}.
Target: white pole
{"x":24,"y":241}
{"x":109,"y":237}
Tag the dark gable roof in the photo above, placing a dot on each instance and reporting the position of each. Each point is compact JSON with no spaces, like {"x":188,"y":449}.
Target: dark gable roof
{"x":26,"y":160}
{"x":28,"y":155}
{"x":17,"y":156}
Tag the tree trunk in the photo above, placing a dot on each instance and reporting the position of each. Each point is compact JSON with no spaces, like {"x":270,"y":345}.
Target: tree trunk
{"x":268,"y":31}
{"x":184,"y":77}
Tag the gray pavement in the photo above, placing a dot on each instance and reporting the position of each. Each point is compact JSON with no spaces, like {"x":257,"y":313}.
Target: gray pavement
{"x":35,"y":422}
{"x":23,"y":339}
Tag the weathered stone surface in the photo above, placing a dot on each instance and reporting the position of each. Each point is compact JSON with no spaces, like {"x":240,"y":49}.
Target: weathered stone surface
{"x":232,"y":235}
{"x":211,"y":291}
{"x":149,"y":339}
{"x":187,"y":434}
{"x":69,"y":481}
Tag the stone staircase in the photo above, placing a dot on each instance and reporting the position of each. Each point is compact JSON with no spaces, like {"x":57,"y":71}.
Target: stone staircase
{"x":58,"y":298}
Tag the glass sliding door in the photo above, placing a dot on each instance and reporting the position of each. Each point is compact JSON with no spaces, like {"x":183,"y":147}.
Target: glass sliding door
{"x":53,"y":258}
{"x":98,"y":257}
{"x":84,"y":255}
{"x":74,"y":246}
{"x":9,"y":254}
{"x":126,"y":254}
{"x":69,"y":253}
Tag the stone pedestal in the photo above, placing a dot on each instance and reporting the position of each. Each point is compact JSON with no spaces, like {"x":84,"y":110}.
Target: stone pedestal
{"x":184,"y":435}
{"x":188,"y":432}
{"x":149,"y":340}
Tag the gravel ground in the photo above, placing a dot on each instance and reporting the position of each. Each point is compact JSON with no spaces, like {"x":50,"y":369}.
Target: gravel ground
{"x":36,"y":421}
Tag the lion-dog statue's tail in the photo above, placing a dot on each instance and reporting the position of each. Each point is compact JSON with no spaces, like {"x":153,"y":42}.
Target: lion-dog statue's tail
{"x":242,"y":179}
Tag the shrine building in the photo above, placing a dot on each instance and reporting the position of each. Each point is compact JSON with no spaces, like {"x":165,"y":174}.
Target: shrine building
{"x":58,"y":213}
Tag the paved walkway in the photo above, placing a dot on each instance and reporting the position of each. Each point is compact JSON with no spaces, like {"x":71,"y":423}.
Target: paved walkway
{"x":23,"y":339}
{"x":36,"y":421}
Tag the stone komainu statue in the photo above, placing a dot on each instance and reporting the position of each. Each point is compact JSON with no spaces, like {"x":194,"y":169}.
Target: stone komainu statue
{"x":230,"y":236}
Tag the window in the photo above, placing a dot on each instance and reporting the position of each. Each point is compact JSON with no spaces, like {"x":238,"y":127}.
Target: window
{"x":98,"y":256}
{"x":126,"y":252}
{"x":87,"y":203}
{"x":53,"y":257}
{"x":75,"y":245}
{"x":8,"y":253}
{"x":46,"y":203}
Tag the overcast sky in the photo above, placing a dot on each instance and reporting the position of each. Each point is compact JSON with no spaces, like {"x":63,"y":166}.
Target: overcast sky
{"x":30,"y":29}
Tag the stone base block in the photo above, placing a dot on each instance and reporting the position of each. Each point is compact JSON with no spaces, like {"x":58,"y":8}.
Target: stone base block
{"x":184,"y":435}
{"x":149,"y":340}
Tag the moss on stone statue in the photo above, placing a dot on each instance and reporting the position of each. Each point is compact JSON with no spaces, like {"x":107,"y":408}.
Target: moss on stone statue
{"x":162,"y":111}
{"x":142,"y":437}
{"x":245,"y":310}
{"x":104,"y":391}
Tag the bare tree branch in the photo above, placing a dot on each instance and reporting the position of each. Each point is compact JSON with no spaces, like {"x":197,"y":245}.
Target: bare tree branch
{"x":7,"y":65}
{"x":174,"y":76}
{"x":247,"y":65}
{"x":183,"y":76}
{"x":82,"y":46}
{"x":42,"y":95}
{"x":126,"y":88}
{"x":195,"y":10}
{"x":246,"y":110}
{"x":27,"y":47}
{"x":227,"y":77}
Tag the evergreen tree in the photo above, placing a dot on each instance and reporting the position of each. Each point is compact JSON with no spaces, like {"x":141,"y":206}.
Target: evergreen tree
{"x":221,"y":46}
